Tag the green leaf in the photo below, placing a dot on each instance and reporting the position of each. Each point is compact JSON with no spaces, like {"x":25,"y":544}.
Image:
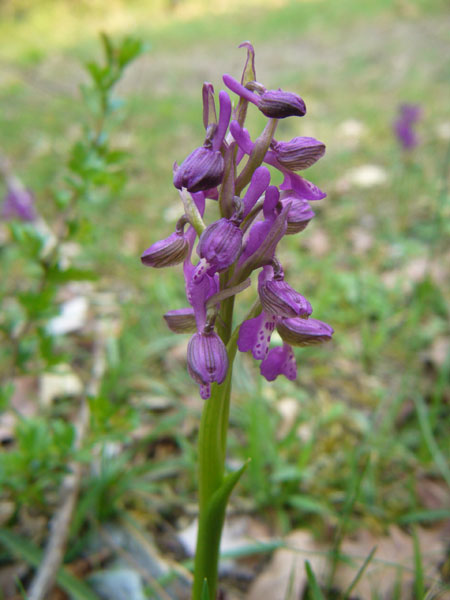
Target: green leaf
{"x":308,"y":504}
{"x":58,"y":275}
{"x":130,"y":49}
{"x":315,"y":593}
{"x":205,"y":590}
{"x":76,"y":588}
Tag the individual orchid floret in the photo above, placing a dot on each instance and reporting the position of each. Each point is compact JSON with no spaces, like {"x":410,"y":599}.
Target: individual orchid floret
{"x":220,"y":244}
{"x":299,"y":153}
{"x":279,"y":361}
{"x":181,"y":320}
{"x":18,"y":204}
{"x":201,"y":170}
{"x":278,"y":297}
{"x":409,"y":115}
{"x":275,"y":104}
{"x":170,"y":251}
{"x":304,"y":332}
{"x":207,"y":360}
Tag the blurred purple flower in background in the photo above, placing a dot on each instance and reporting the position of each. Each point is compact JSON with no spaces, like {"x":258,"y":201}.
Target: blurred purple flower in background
{"x":18,"y":204}
{"x":403,"y":126}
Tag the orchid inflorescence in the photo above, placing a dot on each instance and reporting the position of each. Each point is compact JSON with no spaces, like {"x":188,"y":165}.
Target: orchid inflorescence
{"x":254,"y":218}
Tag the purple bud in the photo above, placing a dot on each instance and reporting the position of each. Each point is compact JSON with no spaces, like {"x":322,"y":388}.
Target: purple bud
{"x":19,"y":203}
{"x":167,"y":252}
{"x":201,"y":170}
{"x":299,"y":153}
{"x":181,"y":320}
{"x":279,"y":298}
{"x":207,"y":360}
{"x":304,"y":332}
{"x":277,"y":104}
{"x":299,"y":215}
{"x":220,"y":244}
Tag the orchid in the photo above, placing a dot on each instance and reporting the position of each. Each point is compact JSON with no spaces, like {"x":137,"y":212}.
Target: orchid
{"x":219,"y":259}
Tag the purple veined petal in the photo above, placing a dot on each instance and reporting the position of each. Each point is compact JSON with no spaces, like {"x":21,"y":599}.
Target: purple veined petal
{"x":270,"y":202}
{"x":224,"y":120}
{"x":279,"y":361}
{"x":209,"y":106}
{"x":258,"y":185}
{"x":262,"y":241}
{"x":201,"y":170}
{"x":199,"y":200}
{"x":304,"y":188}
{"x":220,"y":244}
{"x":240,"y":90}
{"x":279,"y":298}
{"x":277,"y":104}
{"x":304,"y":332}
{"x":299,"y":153}
{"x":242,"y":137}
{"x":198,"y":290}
{"x":207,"y":360}
{"x":167,"y":252}
{"x":255,"y":334}
{"x":300,"y":212}
{"x":181,"y":320}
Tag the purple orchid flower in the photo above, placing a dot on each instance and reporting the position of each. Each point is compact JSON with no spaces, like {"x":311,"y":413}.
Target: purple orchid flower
{"x":207,"y":360}
{"x":403,"y":126}
{"x":18,"y":204}
{"x":303,"y":188}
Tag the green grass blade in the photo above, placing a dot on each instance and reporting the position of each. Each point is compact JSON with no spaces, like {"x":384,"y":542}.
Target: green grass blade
{"x":419,"y":577}
{"x":359,"y":573}
{"x":77,"y":589}
{"x":315,"y":593}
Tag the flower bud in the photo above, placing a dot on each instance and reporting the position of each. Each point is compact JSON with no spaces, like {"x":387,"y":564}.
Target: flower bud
{"x":299,"y":215}
{"x":220,"y":244}
{"x":201,"y":170}
{"x":280,"y":299}
{"x":299,"y":153}
{"x":181,"y":320}
{"x":304,"y":332}
{"x":207,"y":360}
{"x":167,"y":252}
{"x":277,"y":104}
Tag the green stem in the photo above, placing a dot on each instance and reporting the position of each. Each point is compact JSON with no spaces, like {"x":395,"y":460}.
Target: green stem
{"x":211,"y":455}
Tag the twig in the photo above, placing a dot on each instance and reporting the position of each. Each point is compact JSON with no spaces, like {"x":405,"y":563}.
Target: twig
{"x":60,"y":523}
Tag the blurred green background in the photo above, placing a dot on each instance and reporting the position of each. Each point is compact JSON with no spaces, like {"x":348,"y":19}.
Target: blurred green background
{"x":368,"y":415}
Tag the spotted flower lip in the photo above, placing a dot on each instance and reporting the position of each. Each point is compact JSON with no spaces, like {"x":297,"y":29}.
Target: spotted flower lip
{"x":201,"y":170}
{"x":299,"y":153}
{"x":279,"y":361}
{"x":304,"y":332}
{"x":207,"y":360}
{"x":280,"y":299}
{"x":165,"y":253}
{"x":220,"y":245}
{"x":181,"y":320}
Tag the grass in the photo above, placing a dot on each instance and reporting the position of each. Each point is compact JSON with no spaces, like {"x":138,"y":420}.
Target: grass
{"x":372,"y":262}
